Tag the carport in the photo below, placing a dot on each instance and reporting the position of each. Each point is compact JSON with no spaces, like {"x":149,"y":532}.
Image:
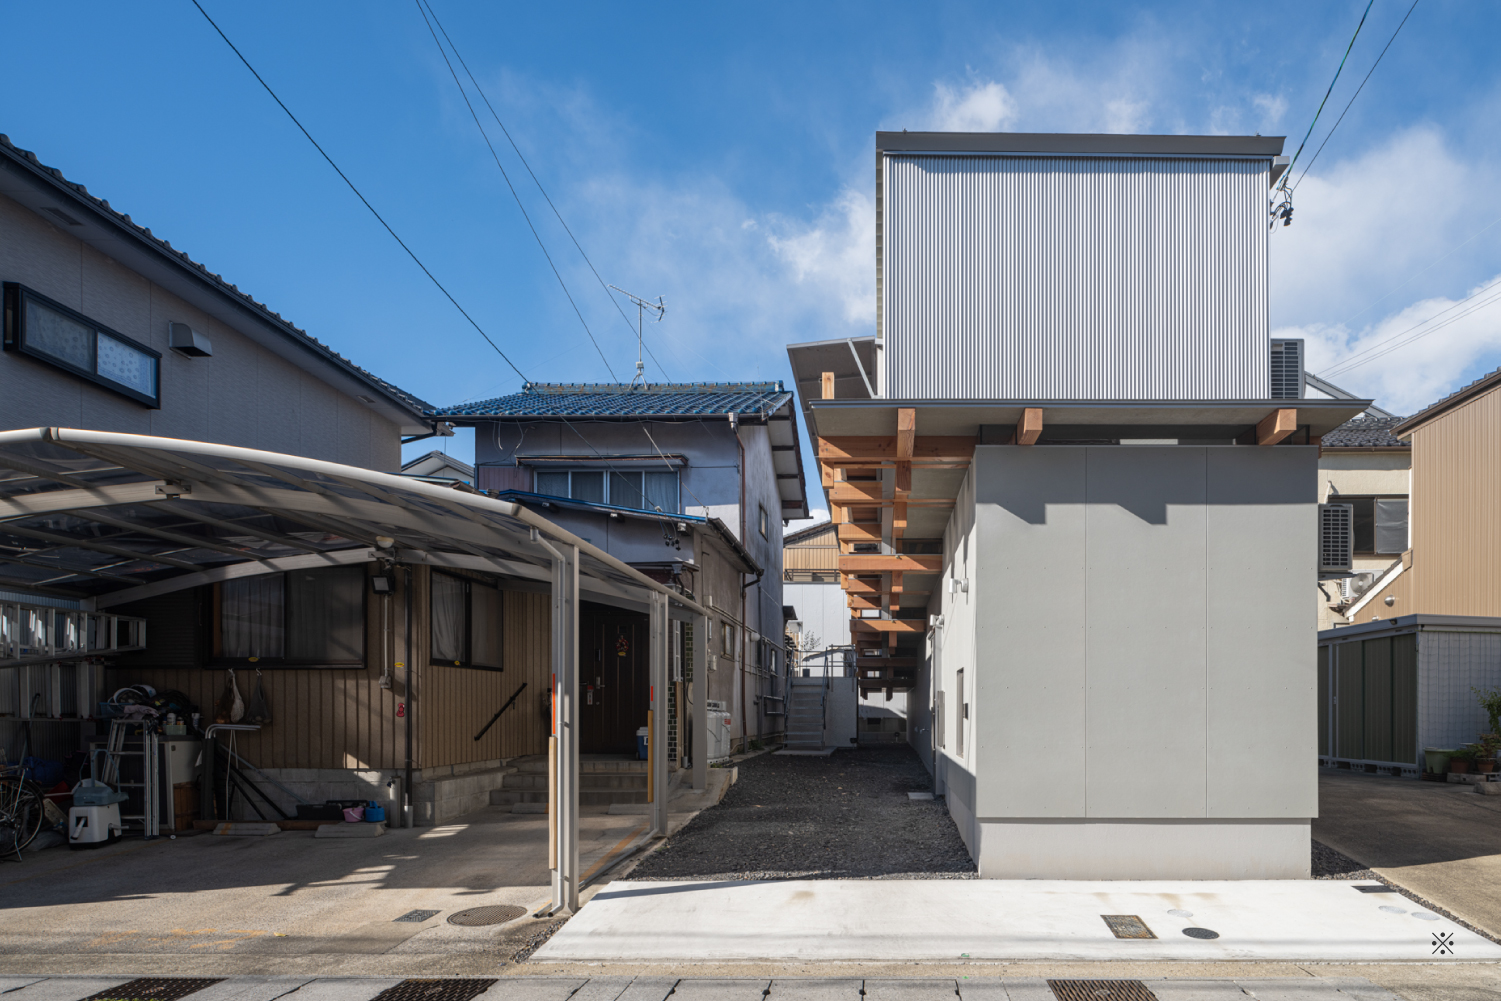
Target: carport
{"x":111,"y":519}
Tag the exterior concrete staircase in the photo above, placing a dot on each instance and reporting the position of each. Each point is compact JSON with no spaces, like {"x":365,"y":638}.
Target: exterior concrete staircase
{"x":603,"y":780}
{"x":805,"y":720}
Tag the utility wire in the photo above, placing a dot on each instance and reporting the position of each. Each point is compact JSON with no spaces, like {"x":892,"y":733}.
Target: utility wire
{"x":1342,"y":114}
{"x":357,"y":193}
{"x":1386,"y":345}
{"x":537,"y":236}
{"x":1472,"y":238}
{"x":507,"y":132}
{"x":1292,"y":163}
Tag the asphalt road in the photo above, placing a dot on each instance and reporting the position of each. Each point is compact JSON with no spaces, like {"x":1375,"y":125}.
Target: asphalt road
{"x":1441,"y":841}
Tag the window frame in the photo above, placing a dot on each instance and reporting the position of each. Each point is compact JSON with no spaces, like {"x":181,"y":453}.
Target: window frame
{"x":1353,"y":500}
{"x":763,"y":522}
{"x":217,"y":661}
{"x":607,"y":473}
{"x":467,"y":662}
{"x":17,"y":295}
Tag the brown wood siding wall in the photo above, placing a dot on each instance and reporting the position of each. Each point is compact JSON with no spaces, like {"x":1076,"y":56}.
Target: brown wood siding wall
{"x":1456,"y":512}
{"x":342,"y":718}
{"x":819,"y":551}
{"x":456,"y":702}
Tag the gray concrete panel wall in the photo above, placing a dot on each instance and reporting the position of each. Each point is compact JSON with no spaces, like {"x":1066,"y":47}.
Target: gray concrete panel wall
{"x":1112,"y":641}
{"x":243,"y":395}
{"x":1145,"y":632}
{"x":1030,"y":713}
{"x":1262,"y":706}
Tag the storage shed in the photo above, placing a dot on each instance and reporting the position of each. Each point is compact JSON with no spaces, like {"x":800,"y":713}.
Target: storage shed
{"x":1389,"y":688}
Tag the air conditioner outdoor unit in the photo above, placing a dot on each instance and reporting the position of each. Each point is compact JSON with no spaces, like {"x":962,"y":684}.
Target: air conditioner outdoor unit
{"x":1287,"y":369}
{"x":1336,"y":538}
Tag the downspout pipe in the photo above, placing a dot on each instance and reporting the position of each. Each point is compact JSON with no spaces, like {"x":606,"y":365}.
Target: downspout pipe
{"x":410,"y":819}
{"x":744,"y":716}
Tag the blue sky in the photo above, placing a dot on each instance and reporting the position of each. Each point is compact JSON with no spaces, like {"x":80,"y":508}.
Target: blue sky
{"x":722,"y":157}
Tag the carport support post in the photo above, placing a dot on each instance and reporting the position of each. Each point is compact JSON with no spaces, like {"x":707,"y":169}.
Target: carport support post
{"x":565,"y":670}
{"x":700,"y":700}
{"x":657,"y":732}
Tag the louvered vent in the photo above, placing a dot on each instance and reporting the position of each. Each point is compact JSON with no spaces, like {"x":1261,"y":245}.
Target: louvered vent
{"x":1287,"y":369}
{"x":1336,"y":537}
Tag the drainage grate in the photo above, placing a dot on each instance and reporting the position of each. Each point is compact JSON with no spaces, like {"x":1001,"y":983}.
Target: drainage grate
{"x":492,"y":915}
{"x":1204,"y":933}
{"x":416,"y":916}
{"x":457,"y":989}
{"x":1375,"y":888}
{"x":1101,"y":990}
{"x":1127,"y":926}
{"x":154,"y":989}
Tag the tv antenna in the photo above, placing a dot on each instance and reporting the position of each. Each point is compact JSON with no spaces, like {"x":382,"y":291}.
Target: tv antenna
{"x":642,"y":305}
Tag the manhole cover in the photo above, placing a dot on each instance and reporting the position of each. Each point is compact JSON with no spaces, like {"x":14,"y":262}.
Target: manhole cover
{"x":1127,"y":926}
{"x":492,"y":915}
{"x":416,"y":916}
{"x":1200,"y":933}
{"x":1375,"y":888}
{"x":154,"y":989}
{"x":1101,"y":990}
{"x":457,"y":989}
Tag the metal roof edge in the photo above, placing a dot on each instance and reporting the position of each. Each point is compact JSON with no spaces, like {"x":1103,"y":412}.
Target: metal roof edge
{"x":1421,"y":621}
{"x":100,"y":209}
{"x":1440,"y":407}
{"x":1078,"y":143}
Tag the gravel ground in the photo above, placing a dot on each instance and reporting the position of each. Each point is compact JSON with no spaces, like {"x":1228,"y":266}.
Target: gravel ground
{"x":1330,"y":864}
{"x":846,"y":816}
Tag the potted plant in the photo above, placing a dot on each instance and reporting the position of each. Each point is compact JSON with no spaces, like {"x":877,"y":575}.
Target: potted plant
{"x":1485,"y":752}
{"x":1459,"y":764}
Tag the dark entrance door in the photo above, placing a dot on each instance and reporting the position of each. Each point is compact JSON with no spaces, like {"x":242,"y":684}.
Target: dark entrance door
{"x":613,"y":678}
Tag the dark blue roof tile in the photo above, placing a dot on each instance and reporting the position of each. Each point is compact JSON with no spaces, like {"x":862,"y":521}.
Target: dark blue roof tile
{"x":702,"y":399}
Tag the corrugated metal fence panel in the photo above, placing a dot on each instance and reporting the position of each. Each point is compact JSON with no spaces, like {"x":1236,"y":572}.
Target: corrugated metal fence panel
{"x":1405,"y":698}
{"x":1075,"y":278}
{"x":1453,"y":664}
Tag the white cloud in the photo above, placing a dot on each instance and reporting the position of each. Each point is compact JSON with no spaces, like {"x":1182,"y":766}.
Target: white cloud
{"x":835,"y":254}
{"x":981,"y":107}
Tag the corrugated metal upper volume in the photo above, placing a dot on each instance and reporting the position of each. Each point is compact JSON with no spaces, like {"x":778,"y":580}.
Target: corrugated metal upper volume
{"x":617,"y":400}
{"x":1073,"y":278}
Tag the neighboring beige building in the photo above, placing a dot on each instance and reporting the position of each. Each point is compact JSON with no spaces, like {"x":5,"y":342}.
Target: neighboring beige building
{"x":1453,"y":565}
{"x":1362,"y":463}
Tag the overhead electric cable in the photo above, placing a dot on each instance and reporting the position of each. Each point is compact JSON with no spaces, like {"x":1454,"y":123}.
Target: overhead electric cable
{"x":1471,"y":239}
{"x":1314,"y":159}
{"x":357,"y":193}
{"x":1294,"y":161}
{"x":535,"y":235}
{"x":1386,"y":345}
{"x":535,"y":180}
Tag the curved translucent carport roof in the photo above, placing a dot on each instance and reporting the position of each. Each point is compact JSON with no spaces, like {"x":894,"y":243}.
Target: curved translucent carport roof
{"x":110,"y":518}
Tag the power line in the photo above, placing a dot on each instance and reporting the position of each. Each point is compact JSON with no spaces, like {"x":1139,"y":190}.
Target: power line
{"x":1386,"y":345}
{"x":1471,"y":239}
{"x":535,"y":235}
{"x":357,"y":193}
{"x":1292,"y":163}
{"x":507,"y":132}
{"x":1342,"y":114}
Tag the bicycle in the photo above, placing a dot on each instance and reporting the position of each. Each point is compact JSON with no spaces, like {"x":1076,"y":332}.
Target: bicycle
{"x":21,"y":811}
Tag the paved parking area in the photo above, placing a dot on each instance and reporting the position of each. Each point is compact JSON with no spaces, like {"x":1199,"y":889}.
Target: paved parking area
{"x":658,"y":988}
{"x":1441,"y":841}
{"x":299,"y":904}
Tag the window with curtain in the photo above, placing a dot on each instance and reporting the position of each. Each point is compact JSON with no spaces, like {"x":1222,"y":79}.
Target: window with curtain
{"x":466,"y":624}
{"x":302,"y":618}
{"x":1380,"y":524}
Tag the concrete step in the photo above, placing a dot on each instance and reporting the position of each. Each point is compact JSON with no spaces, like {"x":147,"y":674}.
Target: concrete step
{"x":537,"y":764}
{"x":591,"y":781}
{"x":510,"y":797}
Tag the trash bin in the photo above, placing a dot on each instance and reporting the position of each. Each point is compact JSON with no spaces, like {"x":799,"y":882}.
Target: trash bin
{"x":641,"y":742}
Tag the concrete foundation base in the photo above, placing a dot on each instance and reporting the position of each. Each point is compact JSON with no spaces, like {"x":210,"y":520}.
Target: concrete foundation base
{"x":1143,"y":849}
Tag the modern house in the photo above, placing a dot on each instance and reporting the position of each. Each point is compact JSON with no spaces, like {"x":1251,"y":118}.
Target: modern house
{"x":711,"y":465}
{"x":1400,"y":676}
{"x":1060,"y":472}
{"x":192,"y":488}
